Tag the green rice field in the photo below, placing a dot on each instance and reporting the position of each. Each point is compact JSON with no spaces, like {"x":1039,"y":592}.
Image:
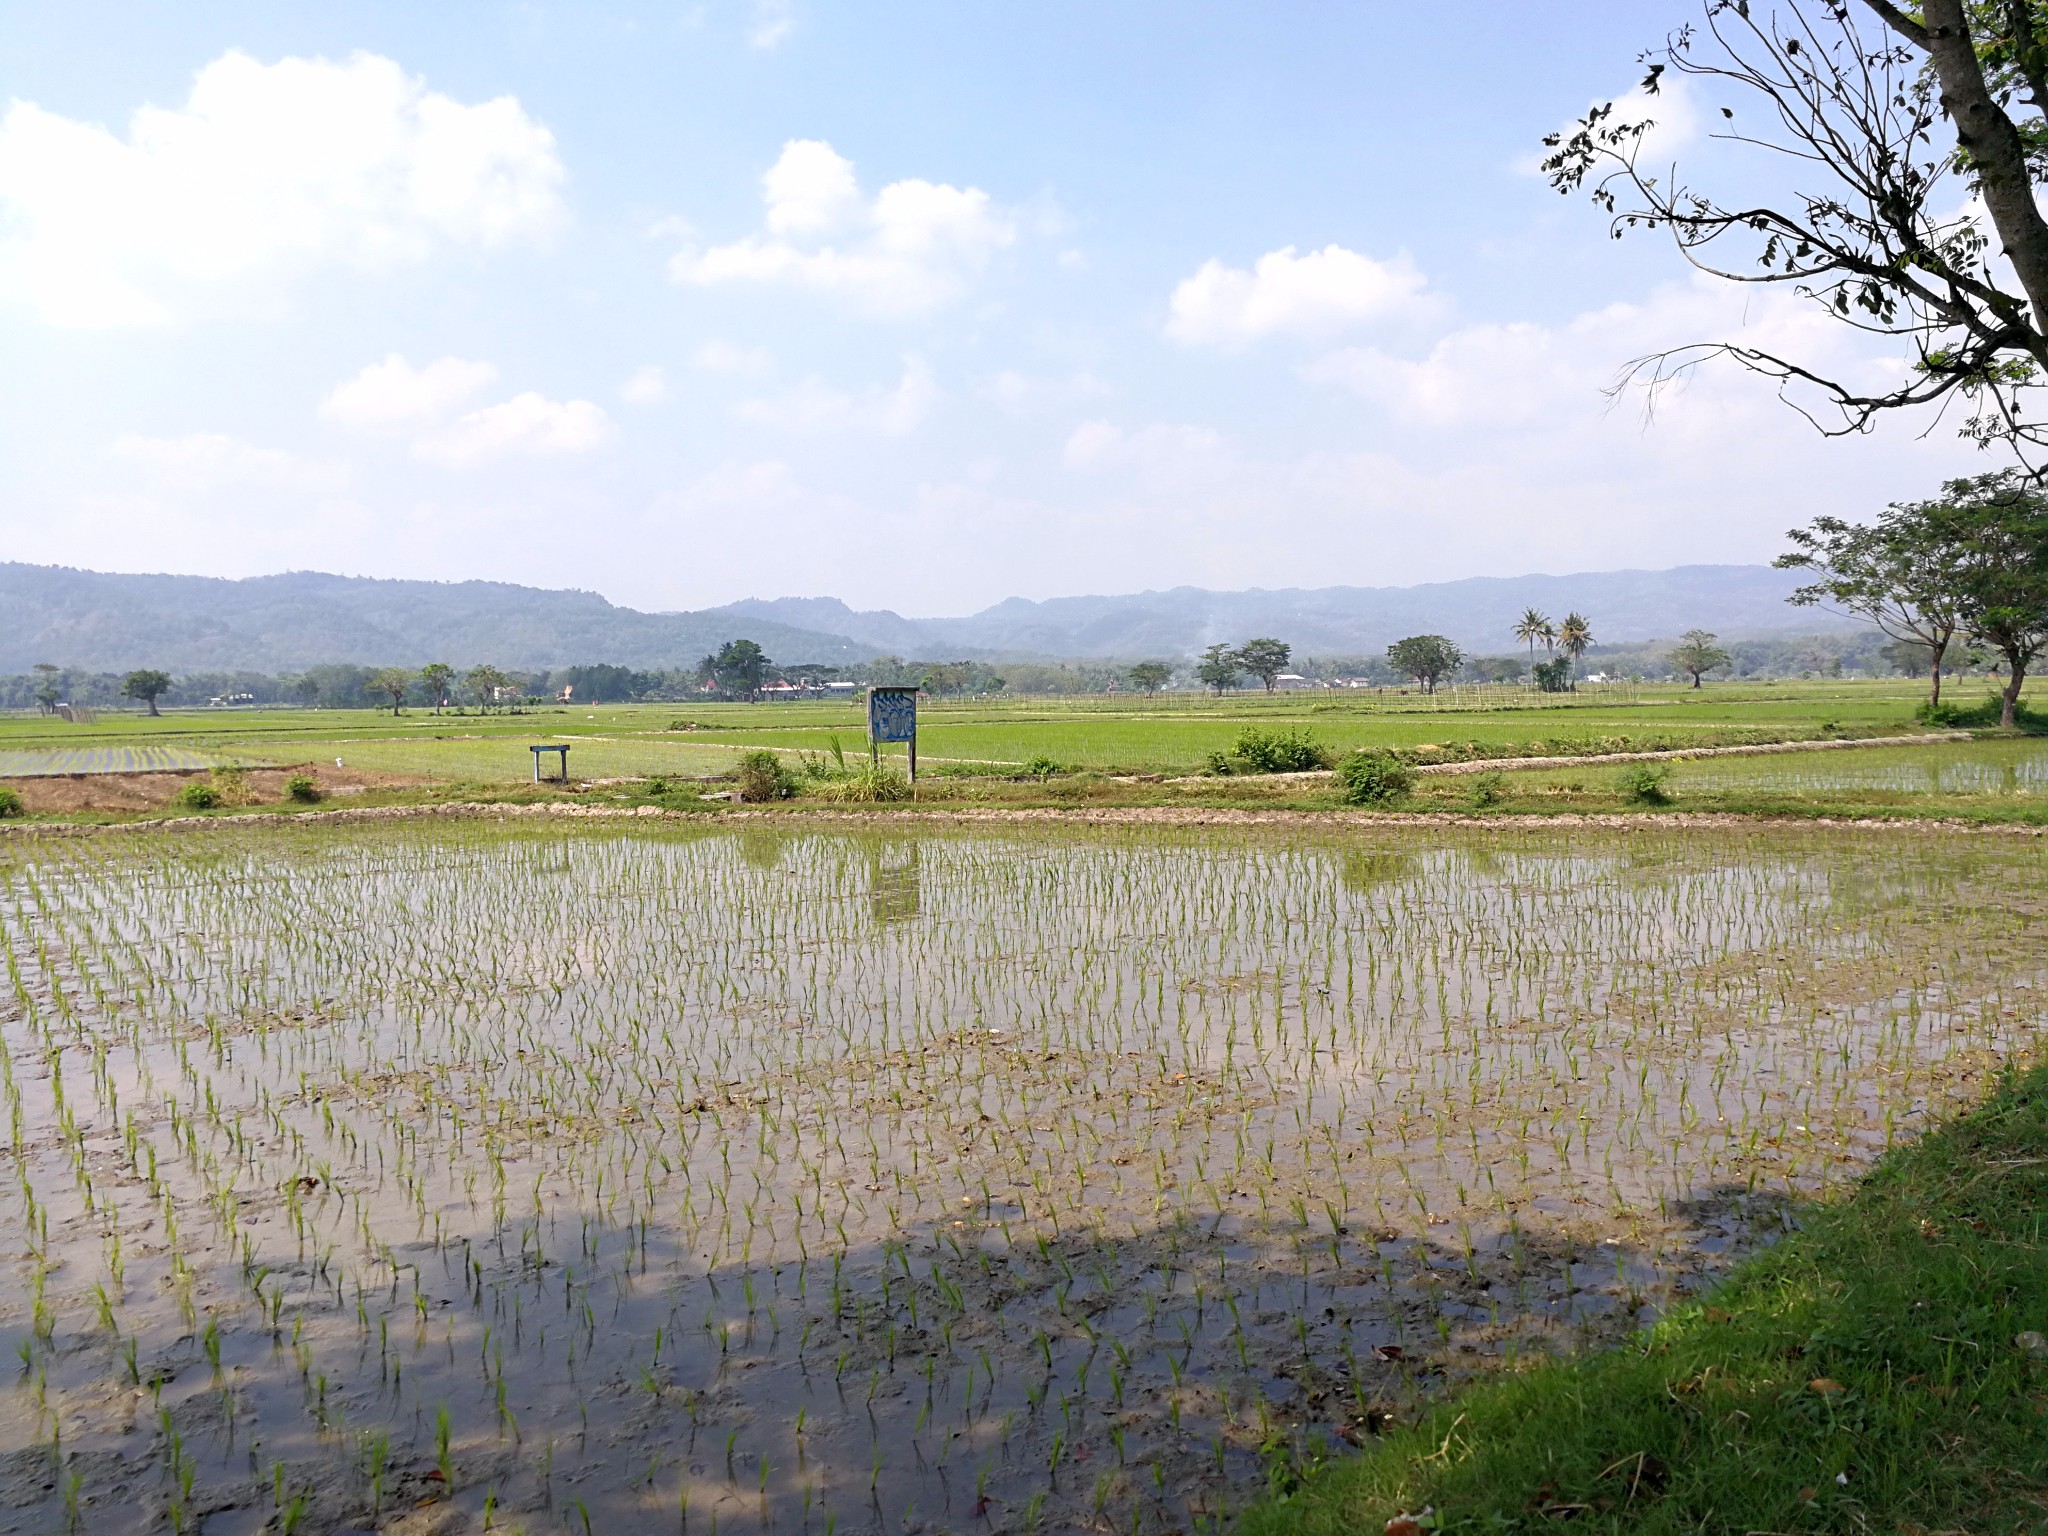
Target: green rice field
{"x":141,"y":758}
{"x":478,"y":1175}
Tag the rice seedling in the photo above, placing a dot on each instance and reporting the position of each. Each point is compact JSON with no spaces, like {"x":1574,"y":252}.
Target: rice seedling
{"x":1065,"y":1152}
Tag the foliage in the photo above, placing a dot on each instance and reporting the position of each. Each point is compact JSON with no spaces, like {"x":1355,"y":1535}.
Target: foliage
{"x":1696,"y":655}
{"x":737,"y":667}
{"x":866,"y":784}
{"x":435,"y":678}
{"x":1998,"y":526}
{"x":1982,"y":715}
{"x":484,"y":684}
{"x":10,"y":801}
{"x":1534,"y":625}
{"x":1486,"y":790}
{"x":1150,"y":676}
{"x":1575,"y":636}
{"x":1265,"y":659}
{"x":1219,"y":668}
{"x":1373,"y":778}
{"x":762,"y":777}
{"x":1877,"y":1368}
{"x":1041,"y":768}
{"x":302,"y":788}
{"x":1426,"y":658}
{"x":147,"y":685}
{"x":1873,"y":229}
{"x":1554,"y":676}
{"x":1643,"y":783}
{"x":1289,"y":751}
{"x":197,"y":796}
{"x":393,"y":683}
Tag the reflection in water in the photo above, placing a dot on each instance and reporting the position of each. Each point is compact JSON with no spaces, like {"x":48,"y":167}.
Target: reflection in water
{"x":895,"y":891}
{"x":1363,"y":869}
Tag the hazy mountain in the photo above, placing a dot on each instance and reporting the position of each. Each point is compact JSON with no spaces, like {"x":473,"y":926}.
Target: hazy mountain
{"x":104,"y":623}
{"x":1478,"y":612}
{"x":278,"y":623}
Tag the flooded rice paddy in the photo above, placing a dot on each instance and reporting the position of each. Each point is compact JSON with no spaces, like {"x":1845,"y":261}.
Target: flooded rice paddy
{"x":1973,"y":768}
{"x":437,"y":1179}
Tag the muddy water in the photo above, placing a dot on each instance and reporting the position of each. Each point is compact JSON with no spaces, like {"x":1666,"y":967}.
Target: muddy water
{"x":425,"y":1179}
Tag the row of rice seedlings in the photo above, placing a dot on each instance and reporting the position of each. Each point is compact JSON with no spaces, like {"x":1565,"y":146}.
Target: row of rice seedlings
{"x":832,"y":1180}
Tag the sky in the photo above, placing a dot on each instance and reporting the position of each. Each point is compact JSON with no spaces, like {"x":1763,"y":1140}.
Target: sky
{"x":921,"y":305}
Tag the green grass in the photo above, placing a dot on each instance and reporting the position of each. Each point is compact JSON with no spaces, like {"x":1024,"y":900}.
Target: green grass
{"x":1874,"y":1370}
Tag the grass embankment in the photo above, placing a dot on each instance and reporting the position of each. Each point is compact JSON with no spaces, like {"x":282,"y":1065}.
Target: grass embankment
{"x":1879,"y":1369}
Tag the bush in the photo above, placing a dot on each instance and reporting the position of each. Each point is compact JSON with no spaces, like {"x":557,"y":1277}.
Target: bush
{"x":1980,"y":716}
{"x":10,"y":802}
{"x":762,"y":777}
{"x":302,"y":788}
{"x":197,"y":796}
{"x":1373,"y":778}
{"x":1294,"y":751}
{"x":866,"y":785}
{"x":1553,"y":676}
{"x":1041,"y":768}
{"x":1643,"y":783}
{"x":1487,"y":790}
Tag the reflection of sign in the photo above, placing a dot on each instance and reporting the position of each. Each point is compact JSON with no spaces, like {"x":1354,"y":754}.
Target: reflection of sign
{"x":892,"y":714}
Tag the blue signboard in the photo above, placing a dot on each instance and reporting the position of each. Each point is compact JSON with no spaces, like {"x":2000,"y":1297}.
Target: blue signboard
{"x":892,"y":714}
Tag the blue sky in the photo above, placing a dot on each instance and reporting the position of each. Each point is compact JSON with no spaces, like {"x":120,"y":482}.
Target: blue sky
{"x":922,"y":305}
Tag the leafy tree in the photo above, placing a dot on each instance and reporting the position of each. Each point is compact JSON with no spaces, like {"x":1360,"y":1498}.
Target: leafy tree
{"x":1426,"y":658}
{"x":1902,"y":575}
{"x":305,"y":688}
{"x":1553,"y":676}
{"x":1998,"y":524}
{"x":1219,"y":668}
{"x":1575,"y":636}
{"x":1265,"y":659}
{"x":1696,"y":654}
{"x":49,"y":686}
{"x":1882,"y":107}
{"x":484,"y":683}
{"x":1532,"y":626}
{"x":393,"y":683}
{"x":1150,"y":676}
{"x":146,"y":685}
{"x":738,"y":667}
{"x":435,"y":677}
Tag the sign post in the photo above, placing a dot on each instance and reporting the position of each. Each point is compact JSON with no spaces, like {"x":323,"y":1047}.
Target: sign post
{"x":892,"y":716}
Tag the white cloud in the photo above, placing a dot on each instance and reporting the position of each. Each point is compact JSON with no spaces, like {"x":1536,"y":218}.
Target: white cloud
{"x":210,"y":461}
{"x":913,"y":248}
{"x":266,"y":170}
{"x":1165,"y":454}
{"x":528,"y":425}
{"x":774,"y":21}
{"x":647,"y":386}
{"x":814,"y":406}
{"x":394,"y":396}
{"x":724,"y":357}
{"x":423,"y":405}
{"x":1315,"y":295}
{"x":1021,"y":393}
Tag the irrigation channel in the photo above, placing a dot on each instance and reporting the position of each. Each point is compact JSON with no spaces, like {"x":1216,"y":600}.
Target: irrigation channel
{"x":435,"y":1177}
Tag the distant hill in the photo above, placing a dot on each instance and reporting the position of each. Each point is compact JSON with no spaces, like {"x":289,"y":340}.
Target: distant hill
{"x":109,"y":623}
{"x":102,"y":622}
{"x":1626,"y":607}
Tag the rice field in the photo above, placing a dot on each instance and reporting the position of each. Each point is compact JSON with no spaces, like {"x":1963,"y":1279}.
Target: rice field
{"x":146,"y":758}
{"x":680,"y":1179}
{"x":1975,"y":768}
{"x":500,"y":759}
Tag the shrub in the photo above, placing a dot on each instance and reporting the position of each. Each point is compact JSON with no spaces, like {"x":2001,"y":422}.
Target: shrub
{"x":1294,"y":751}
{"x":1553,"y":676}
{"x":10,"y":802}
{"x":762,"y":777}
{"x":1487,"y":790}
{"x":1373,"y":778}
{"x":1041,"y":768}
{"x":1980,"y":716}
{"x":1643,"y":783}
{"x":197,"y":796}
{"x":302,"y":788}
{"x":866,"y":785}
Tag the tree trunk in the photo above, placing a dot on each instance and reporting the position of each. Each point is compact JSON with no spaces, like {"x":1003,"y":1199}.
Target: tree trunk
{"x":2008,"y":704}
{"x":151,"y":701}
{"x":1938,"y":650}
{"x":1696,"y":679}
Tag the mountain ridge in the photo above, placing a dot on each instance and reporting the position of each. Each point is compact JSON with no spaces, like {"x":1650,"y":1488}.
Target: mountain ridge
{"x":110,"y":621}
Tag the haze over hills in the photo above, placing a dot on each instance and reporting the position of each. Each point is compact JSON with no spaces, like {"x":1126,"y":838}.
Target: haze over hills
{"x":103,"y":622}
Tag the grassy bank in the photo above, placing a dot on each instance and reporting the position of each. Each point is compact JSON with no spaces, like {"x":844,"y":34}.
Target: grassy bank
{"x":1879,"y":1369}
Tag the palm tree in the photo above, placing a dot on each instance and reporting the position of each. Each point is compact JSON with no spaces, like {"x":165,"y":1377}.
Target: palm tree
{"x":1533,"y":626}
{"x":1575,"y":636}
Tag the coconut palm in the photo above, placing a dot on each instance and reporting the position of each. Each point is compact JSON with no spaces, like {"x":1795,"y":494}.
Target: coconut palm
{"x":1533,"y":626}
{"x":1575,"y":636}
